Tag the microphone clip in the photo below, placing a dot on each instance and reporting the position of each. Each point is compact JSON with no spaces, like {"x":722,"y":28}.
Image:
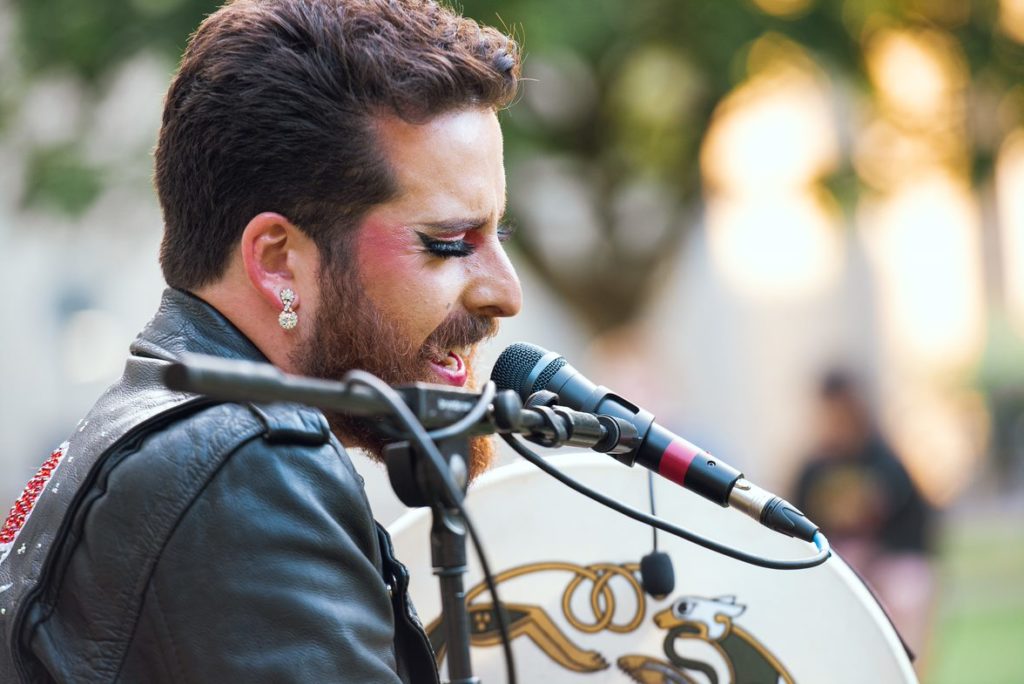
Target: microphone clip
{"x":554,"y":429}
{"x":554,"y":426}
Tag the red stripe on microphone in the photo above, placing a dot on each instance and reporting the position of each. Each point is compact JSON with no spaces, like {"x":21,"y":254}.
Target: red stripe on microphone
{"x":676,"y":459}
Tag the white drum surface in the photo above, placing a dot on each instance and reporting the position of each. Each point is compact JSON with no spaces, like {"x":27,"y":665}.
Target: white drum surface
{"x":569,"y":576}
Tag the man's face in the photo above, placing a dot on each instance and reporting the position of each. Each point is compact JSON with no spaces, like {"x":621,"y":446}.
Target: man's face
{"x":425,"y":275}
{"x":434,"y":252}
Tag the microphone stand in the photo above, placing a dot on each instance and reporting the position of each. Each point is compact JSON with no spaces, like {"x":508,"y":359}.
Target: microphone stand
{"x":418,"y":486}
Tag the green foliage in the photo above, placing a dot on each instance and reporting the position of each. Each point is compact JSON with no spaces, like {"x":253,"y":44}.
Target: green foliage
{"x":981,"y":625}
{"x":59,"y":179}
{"x":648,"y":75}
{"x":91,"y":38}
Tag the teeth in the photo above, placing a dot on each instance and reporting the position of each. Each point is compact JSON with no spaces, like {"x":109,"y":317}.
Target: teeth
{"x":449,"y":361}
{"x":445,"y":360}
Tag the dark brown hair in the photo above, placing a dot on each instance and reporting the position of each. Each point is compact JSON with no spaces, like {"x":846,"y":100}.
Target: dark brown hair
{"x":273,"y":108}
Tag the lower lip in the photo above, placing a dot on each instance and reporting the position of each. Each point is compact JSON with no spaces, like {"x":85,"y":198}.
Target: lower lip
{"x":454,"y":374}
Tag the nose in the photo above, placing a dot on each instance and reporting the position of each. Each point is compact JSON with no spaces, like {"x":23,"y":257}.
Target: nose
{"x":494,"y":290}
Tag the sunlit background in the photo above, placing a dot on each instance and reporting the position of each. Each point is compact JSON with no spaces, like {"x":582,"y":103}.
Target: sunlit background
{"x":716,"y":201}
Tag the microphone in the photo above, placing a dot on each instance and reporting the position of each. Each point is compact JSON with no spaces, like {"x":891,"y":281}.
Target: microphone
{"x":657,"y":577}
{"x":526,"y":369}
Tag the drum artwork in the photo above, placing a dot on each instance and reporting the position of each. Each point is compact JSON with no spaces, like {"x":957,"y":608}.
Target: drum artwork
{"x":568,"y":575}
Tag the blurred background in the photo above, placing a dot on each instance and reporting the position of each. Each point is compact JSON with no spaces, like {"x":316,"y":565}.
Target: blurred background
{"x":719,"y":203}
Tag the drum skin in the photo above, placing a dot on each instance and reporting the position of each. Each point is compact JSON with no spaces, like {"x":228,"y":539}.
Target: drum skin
{"x":568,"y":572}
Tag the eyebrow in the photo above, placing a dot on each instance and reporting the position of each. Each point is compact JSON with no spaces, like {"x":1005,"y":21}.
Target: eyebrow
{"x":456,"y":226}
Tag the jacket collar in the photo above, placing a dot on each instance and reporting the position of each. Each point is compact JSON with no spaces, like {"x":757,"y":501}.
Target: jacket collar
{"x":185,"y":323}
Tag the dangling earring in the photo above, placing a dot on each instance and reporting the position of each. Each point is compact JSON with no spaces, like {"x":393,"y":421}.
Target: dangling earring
{"x":287,"y":319}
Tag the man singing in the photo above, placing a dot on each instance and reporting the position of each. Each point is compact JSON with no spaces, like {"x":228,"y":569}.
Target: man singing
{"x":330,"y":173}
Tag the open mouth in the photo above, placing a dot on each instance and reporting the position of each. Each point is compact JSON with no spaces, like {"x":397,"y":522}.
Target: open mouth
{"x":451,"y":368}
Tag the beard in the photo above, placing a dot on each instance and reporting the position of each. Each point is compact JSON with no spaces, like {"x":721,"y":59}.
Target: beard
{"x":349,"y":332}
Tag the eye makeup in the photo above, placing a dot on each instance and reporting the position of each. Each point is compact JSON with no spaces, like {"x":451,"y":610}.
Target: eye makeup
{"x":459,"y":247}
{"x":506,"y":229}
{"x":445,"y":248}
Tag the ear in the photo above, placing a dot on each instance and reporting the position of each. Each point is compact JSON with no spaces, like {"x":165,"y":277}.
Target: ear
{"x":275,"y":255}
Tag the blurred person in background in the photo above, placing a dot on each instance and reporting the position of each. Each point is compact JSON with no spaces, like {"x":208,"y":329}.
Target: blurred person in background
{"x":332,"y":185}
{"x":855,"y":487}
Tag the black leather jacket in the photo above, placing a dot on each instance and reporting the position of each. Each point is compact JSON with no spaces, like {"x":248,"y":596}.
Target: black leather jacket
{"x":181,"y":540}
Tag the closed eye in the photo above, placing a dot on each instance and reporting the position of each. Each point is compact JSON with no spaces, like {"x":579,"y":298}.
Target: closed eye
{"x":446,"y":248}
{"x":506,"y":230}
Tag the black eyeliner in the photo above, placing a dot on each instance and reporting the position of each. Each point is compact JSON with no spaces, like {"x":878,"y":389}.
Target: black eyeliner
{"x":506,"y":230}
{"x":445,"y":248}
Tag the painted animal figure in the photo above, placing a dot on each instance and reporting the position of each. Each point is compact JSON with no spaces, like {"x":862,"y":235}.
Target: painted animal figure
{"x":711,"y":620}
{"x":523,"y":620}
{"x":646,"y":670}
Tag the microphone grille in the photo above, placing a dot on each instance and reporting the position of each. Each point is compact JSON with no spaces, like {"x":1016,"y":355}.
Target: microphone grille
{"x":514,"y":364}
{"x":549,"y":372}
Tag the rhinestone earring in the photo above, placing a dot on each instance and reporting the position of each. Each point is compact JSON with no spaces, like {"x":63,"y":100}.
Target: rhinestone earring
{"x":287,"y":319}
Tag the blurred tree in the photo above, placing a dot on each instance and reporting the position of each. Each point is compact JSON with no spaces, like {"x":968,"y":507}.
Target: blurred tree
{"x":618,"y":102}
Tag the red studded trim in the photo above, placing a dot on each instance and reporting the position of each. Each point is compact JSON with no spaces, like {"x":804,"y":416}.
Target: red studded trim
{"x":23,"y":506}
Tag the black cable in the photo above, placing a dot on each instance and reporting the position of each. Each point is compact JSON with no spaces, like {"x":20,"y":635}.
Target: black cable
{"x":418,"y":434}
{"x":470,"y":419}
{"x":650,"y":495}
{"x":524,"y":451}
